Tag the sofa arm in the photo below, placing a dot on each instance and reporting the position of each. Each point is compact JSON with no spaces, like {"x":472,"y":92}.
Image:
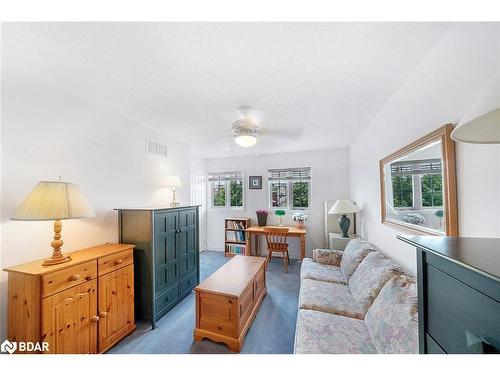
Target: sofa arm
{"x":326,"y":256}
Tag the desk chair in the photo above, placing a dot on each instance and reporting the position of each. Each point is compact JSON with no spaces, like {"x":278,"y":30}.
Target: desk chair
{"x":276,"y":243}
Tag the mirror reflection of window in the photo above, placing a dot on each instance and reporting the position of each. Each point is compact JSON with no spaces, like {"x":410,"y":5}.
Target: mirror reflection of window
{"x":414,"y":188}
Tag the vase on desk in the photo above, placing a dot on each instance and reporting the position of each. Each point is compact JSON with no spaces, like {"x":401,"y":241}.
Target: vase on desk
{"x":262,"y":217}
{"x":300,"y":218}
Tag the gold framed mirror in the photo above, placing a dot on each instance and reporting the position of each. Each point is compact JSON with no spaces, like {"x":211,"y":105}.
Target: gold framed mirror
{"x":418,"y":185}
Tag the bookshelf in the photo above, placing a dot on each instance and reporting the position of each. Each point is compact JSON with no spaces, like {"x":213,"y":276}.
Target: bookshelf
{"x":235,"y":235}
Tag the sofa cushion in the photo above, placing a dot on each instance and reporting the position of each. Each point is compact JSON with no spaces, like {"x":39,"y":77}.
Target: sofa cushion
{"x":369,"y":278}
{"x":322,"y":272}
{"x":328,"y":297}
{"x":327,"y":256}
{"x":355,"y":251}
{"x":392,"y":320}
{"x":319,"y":332}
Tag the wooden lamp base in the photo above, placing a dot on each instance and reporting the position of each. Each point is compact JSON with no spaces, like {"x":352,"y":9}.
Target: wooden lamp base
{"x":57,"y":256}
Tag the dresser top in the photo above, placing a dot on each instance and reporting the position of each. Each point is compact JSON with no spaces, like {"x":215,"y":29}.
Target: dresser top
{"x":158,"y":208}
{"x":478,"y":254}
{"x":233,"y":277}
{"x":77,"y":257}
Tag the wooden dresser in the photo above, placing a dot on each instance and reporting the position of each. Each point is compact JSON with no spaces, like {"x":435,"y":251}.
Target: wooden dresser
{"x":458,"y":294}
{"x":166,"y":256}
{"x":228,"y":301}
{"x":82,"y":306}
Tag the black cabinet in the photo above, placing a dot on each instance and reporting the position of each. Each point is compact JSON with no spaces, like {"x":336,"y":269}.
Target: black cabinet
{"x":458,"y":294}
{"x":166,"y":255}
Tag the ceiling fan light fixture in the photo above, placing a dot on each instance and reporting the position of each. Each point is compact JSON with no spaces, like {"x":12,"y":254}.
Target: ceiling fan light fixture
{"x":245,"y":140}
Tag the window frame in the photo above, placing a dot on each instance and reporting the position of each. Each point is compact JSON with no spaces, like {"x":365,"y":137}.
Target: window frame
{"x":227,"y":206}
{"x":450,"y":206}
{"x":289,"y":185}
{"x":417,"y":197}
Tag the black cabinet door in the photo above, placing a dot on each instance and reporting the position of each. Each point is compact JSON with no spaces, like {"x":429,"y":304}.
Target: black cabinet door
{"x":188,"y":244}
{"x":166,"y":250}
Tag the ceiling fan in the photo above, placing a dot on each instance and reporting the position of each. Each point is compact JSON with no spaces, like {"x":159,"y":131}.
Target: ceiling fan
{"x":247,"y":131}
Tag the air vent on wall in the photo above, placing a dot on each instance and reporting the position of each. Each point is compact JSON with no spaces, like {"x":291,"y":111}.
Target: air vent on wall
{"x":156,"y":148}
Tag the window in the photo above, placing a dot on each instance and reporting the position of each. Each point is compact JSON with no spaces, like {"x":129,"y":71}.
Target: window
{"x":432,"y":190}
{"x":417,"y":184}
{"x":402,"y":190}
{"x":290,"y":188}
{"x":226,"y":189}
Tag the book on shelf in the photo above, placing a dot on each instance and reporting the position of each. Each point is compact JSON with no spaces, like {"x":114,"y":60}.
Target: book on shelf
{"x":235,"y":249}
{"x":236,"y":236}
{"x":237,"y":225}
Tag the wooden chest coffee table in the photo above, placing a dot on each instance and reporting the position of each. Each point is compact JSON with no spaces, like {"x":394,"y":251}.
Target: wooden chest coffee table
{"x":227,"y":301}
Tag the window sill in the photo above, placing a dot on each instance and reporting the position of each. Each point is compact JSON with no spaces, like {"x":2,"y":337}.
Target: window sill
{"x":226,"y":209}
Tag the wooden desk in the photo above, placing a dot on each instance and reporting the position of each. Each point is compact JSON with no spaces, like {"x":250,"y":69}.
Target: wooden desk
{"x":256,"y":231}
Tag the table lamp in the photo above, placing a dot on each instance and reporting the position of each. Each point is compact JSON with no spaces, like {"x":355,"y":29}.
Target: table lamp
{"x":280,"y":214}
{"x":54,"y":200}
{"x":483,"y":129}
{"x":344,"y":206}
{"x":173,"y":182}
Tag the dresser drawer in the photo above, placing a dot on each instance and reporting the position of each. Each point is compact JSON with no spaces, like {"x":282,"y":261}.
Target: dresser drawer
{"x":221,"y":327}
{"x":115,"y":261}
{"x":60,"y":280}
{"x":188,"y":283}
{"x":216,"y":313}
{"x":167,"y":299}
{"x":459,"y":317}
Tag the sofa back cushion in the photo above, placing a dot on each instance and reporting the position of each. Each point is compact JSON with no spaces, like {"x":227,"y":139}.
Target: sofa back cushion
{"x":354,"y":253}
{"x":370,"y":276}
{"x":392,"y":320}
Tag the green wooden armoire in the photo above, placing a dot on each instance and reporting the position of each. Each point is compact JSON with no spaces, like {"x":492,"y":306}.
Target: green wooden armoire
{"x":166,"y":256}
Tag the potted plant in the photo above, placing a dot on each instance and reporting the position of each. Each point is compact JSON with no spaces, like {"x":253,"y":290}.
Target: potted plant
{"x":262,"y":217}
{"x":300,"y":218}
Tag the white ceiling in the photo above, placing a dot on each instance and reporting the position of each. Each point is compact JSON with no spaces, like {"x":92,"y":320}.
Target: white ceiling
{"x":328,"y":79}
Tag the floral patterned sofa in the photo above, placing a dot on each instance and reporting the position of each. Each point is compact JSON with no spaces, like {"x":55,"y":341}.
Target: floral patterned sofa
{"x":355,"y":301}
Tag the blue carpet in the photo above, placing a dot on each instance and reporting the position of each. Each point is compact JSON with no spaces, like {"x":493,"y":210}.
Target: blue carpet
{"x":272,"y":331}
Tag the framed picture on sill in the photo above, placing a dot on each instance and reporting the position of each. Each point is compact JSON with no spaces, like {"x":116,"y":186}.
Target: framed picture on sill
{"x":255,"y":182}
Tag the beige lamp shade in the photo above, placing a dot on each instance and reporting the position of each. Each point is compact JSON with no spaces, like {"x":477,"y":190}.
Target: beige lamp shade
{"x":52,"y":200}
{"x":343,"y":206}
{"x":173,"y":182}
{"x":483,"y":129}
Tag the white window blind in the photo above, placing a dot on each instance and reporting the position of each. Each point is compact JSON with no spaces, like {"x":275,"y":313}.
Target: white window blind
{"x":289,"y":174}
{"x":224,"y":176}
{"x":411,"y":167}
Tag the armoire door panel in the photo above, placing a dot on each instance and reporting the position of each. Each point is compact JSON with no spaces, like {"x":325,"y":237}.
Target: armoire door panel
{"x":69,"y":322}
{"x":116,"y":301}
{"x":166,"y":276}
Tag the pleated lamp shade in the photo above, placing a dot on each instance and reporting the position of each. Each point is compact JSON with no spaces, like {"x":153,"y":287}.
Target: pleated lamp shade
{"x":173,"y":182}
{"x":53,"y":200}
{"x":343,"y":206}
{"x":483,"y":129}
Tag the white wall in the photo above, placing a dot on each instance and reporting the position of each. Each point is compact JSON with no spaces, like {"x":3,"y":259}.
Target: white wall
{"x":440,"y":90}
{"x":330,"y":169}
{"x":198,"y":174}
{"x":46,"y":133}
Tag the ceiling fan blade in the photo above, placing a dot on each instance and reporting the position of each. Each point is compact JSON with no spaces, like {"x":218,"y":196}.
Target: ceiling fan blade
{"x":284,"y":133}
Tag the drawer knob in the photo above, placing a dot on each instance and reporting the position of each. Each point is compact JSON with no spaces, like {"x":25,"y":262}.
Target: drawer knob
{"x":74,"y":277}
{"x":95,"y":319}
{"x":118,"y":261}
{"x":103,"y":314}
